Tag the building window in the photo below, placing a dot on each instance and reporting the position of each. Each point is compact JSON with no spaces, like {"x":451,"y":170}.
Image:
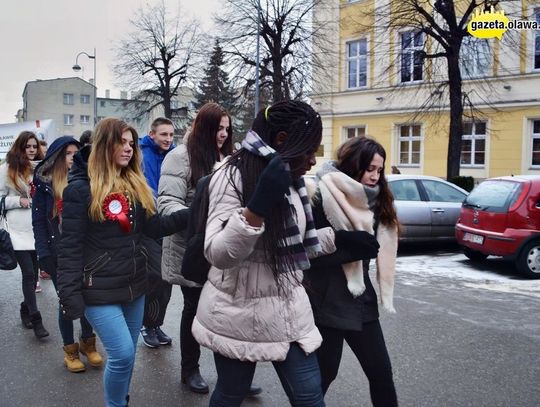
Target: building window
{"x":473,"y":144}
{"x":68,"y":98}
{"x":537,"y":41}
{"x":85,"y":119}
{"x":475,"y":57}
{"x":412,"y":59}
{"x":357,"y":64}
{"x":356,"y":131}
{"x":410,"y":140}
{"x":535,"y":156}
{"x":85,"y":99}
{"x":102,"y":103}
{"x":68,"y":120}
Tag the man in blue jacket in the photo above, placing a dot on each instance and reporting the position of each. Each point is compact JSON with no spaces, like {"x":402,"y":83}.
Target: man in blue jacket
{"x":155,"y":147}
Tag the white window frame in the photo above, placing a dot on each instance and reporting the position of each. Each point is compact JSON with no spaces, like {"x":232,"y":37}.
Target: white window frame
{"x":533,"y":136}
{"x":85,"y":119}
{"x":357,"y":59}
{"x":535,"y":40}
{"x":475,"y":59}
{"x":68,"y":119}
{"x":410,"y":139}
{"x":85,"y":99}
{"x":410,"y":51}
{"x":356,"y":129}
{"x":68,"y":99}
{"x":474,"y":137}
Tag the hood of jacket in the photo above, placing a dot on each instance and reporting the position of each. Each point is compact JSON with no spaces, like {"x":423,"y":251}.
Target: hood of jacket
{"x":42,"y":171}
{"x":79,"y":169}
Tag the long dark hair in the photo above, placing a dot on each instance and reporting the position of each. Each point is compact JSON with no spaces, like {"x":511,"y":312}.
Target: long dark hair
{"x":303,"y":128}
{"x":353,"y":158}
{"x":201,"y":143}
{"x":19,"y":167}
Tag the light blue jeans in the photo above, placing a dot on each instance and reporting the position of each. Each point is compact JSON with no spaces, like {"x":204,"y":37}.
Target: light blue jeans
{"x":118,"y":326}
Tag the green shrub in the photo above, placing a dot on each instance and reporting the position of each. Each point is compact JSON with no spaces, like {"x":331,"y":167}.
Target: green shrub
{"x":467,"y":183}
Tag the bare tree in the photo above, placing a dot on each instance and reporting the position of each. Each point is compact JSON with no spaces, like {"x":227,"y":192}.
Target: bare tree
{"x":158,"y":56}
{"x":286,"y":34}
{"x":437,"y":32}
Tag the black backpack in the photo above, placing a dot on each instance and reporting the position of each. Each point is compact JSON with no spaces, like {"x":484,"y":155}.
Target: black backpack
{"x":195,"y":267}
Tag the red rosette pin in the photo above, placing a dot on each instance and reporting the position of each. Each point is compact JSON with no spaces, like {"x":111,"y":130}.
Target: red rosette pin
{"x":116,"y":208}
{"x":32,"y":189}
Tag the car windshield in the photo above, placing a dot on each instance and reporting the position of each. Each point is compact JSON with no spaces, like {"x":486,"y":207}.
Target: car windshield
{"x":495,"y":196}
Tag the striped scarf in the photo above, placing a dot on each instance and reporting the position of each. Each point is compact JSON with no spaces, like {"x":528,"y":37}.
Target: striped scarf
{"x":298,"y":248}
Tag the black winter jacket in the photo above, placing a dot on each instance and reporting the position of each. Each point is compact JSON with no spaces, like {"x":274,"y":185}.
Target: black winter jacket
{"x":98,"y":263}
{"x":46,"y":227}
{"x":332,"y":303}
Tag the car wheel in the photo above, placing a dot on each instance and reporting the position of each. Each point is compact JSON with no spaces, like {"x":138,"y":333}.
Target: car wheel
{"x":528,"y":261}
{"x":474,"y":255}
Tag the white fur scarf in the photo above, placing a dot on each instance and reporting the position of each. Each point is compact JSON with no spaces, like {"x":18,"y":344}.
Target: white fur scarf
{"x":346,"y":207}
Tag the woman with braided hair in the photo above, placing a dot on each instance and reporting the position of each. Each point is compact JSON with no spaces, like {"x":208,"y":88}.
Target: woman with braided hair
{"x":259,"y":237}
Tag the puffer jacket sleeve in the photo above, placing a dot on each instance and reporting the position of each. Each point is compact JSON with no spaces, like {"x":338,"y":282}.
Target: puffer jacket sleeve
{"x":173,"y":184}
{"x":71,"y":248}
{"x":11,"y":201}
{"x":39,"y":223}
{"x":158,"y":226}
{"x":229,"y":239}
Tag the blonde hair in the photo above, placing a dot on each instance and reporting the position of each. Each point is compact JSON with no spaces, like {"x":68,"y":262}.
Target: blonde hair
{"x":104,"y":174}
{"x":59,"y":173}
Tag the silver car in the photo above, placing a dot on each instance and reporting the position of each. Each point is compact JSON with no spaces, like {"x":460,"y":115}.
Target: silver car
{"x":427,"y":207}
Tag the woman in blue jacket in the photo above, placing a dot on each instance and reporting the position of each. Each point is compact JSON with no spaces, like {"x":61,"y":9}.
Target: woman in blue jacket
{"x":50,"y":179}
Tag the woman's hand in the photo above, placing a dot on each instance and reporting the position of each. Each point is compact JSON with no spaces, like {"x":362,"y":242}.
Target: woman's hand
{"x":272,"y":185}
{"x":25,"y":202}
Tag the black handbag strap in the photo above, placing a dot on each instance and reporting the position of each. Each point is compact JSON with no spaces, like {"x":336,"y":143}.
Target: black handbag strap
{"x":3,"y":210}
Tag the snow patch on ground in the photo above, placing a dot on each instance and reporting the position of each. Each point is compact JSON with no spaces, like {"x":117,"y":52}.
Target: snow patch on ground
{"x":494,"y":274}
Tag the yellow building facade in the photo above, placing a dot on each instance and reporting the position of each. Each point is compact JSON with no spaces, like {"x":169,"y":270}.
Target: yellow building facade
{"x":373,"y":84}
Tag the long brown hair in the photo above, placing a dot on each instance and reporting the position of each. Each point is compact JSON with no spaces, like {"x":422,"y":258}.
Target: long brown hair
{"x":353,"y":158}
{"x":201,"y":144}
{"x":19,"y":167}
{"x":59,"y":172}
{"x":103,"y":172}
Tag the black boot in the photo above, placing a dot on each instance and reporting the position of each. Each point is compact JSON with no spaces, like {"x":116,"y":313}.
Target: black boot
{"x":25,"y":316}
{"x":37,"y":325}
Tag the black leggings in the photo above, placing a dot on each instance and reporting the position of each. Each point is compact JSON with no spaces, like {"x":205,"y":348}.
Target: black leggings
{"x":155,"y":305}
{"x":27,"y":260}
{"x":370,"y":349}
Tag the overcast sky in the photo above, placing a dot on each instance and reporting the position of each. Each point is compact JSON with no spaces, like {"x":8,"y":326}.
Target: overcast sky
{"x":39,"y":39}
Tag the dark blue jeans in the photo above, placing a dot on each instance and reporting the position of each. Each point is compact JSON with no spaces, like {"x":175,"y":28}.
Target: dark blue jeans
{"x":299,"y":375}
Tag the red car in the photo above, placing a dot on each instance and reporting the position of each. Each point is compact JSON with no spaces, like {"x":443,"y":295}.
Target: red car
{"x":501,"y":217}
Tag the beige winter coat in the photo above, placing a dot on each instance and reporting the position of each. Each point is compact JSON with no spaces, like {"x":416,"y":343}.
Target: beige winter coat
{"x":19,"y":219}
{"x":241,"y":315}
{"x":174,"y":193}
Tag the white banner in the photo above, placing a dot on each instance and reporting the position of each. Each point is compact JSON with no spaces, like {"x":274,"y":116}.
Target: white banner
{"x":44,"y":130}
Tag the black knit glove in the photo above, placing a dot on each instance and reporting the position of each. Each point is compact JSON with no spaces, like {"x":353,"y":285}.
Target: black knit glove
{"x":181,"y":218}
{"x":358,"y":242}
{"x":271,"y":187}
{"x":47,"y":264}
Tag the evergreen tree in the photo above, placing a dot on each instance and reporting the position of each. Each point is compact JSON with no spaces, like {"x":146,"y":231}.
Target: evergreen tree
{"x":215,"y":86}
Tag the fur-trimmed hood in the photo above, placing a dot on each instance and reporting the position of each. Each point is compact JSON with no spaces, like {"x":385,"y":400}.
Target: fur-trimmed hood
{"x":42,"y":171}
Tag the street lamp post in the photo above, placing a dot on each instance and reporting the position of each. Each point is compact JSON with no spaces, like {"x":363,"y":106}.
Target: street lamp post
{"x":77,"y":68}
{"x":257,"y":65}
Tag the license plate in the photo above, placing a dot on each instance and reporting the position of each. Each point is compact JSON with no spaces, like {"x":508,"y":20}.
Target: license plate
{"x":473,"y":238}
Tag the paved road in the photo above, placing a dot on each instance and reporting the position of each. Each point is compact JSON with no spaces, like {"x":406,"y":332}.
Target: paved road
{"x":464,"y":335}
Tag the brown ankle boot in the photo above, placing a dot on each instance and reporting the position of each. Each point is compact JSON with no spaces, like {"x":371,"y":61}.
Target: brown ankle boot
{"x":88,"y":349}
{"x":71,"y":358}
